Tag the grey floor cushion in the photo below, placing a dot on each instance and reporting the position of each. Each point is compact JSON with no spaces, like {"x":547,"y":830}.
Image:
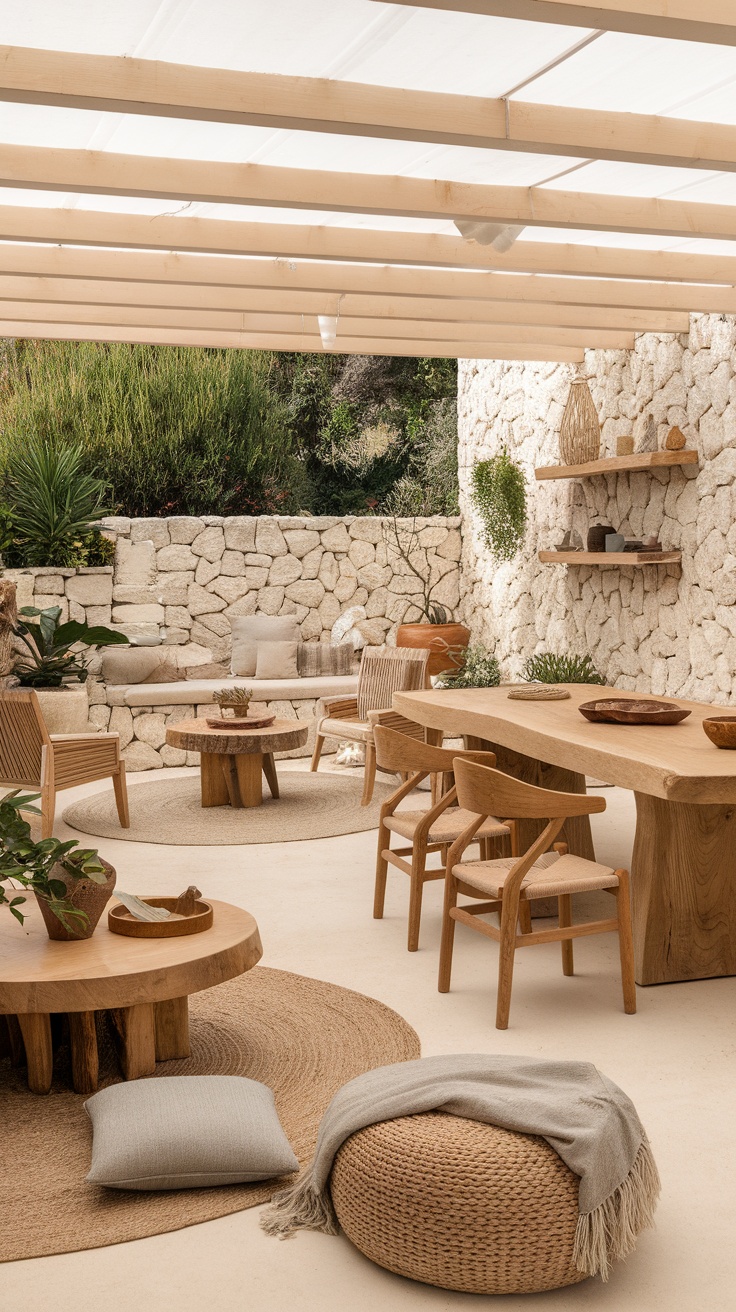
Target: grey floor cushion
{"x":186,"y":1131}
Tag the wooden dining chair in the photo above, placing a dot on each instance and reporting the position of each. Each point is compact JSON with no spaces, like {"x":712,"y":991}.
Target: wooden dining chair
{"x":427,"y":831}
{"x":546,"y":869}
{"x":32,"y":758}
{"x":383,"y":671}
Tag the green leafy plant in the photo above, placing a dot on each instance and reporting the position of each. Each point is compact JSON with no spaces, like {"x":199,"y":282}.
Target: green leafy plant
{"x":547,"y":667}
{"x":478,"y":669}
{"x":403,"y":542}
{"x":54,"y":502}
{"x":499,"y":496}
{"x":29,"y":865}
{"x":48,"y":658}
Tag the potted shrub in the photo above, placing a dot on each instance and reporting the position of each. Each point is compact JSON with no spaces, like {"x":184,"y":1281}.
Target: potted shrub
{"x":434,"y":626}
{"x":71,"y":886}
{"x":547,"y":667}
{"x":479,"y":669}
{"x":51,"y":663}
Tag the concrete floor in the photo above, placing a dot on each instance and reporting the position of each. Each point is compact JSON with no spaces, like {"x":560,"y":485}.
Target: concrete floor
{"x":675,"y":1058}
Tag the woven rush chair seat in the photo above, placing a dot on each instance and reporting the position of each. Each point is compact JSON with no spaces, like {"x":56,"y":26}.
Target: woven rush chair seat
{"x":446,"y":828}
{"x":550,"y":876}
{"x":458,"y":1204}
{"x":352,"y":730}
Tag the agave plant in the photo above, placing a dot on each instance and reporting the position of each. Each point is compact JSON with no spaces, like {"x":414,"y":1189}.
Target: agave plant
{"x":48,"y":658}
{"x":547,"y":667}
{"x":54,"y":501}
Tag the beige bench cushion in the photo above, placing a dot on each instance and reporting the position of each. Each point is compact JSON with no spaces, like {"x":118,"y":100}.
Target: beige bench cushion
{"x":200,"y":691}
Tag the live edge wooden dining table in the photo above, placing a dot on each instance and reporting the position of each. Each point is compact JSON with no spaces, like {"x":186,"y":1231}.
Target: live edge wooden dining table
{"x":683,"y":865}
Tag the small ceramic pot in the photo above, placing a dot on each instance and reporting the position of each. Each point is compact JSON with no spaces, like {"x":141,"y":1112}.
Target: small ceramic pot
{"x":85,"y":895}
{"x":597,"y":534}
{"x":615,"y":542}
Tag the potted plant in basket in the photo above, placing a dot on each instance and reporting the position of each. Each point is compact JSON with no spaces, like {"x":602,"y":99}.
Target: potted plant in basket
{"x":71,"y":884}
{"x":51,"y":662}
{"x":434,"y":627}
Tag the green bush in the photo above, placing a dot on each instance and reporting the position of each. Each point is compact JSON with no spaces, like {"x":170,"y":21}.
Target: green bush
{"x":547,"y":667}
{"x":479,"y":669}
{"x":499,"y":496}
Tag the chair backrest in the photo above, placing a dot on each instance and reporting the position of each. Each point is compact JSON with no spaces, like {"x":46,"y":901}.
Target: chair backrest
{"x":398,"y":751}
{"x":23,"y":736}
{"x":386,"y":670}
{"x":486,"y":791}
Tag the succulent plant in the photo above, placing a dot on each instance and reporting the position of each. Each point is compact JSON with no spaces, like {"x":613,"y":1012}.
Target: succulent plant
{"x":236,"y":698}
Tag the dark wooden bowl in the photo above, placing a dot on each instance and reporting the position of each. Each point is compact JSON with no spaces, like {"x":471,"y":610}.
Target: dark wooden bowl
{"x":721,"y":729}
{"x":120,"y":921}
{"x":615,"y":710}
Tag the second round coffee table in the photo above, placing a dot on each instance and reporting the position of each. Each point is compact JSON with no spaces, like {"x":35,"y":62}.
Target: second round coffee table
{"x":233,"y":760}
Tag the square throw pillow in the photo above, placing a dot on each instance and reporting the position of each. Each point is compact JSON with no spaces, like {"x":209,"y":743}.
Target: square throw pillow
{"x":249,"y":630}
{"x":186,"y":1132}
{"x":277,"y":660}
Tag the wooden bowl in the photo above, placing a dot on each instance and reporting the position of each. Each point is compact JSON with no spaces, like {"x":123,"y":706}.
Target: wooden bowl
{"x":120,"y":921}
{"x":615,"y":710}
{"x":247,"y":722}
{"x":721,"y":729}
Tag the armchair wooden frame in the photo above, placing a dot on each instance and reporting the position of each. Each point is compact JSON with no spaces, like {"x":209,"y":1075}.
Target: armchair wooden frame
{"x":481,"y":790}
{"x":32,"y":758}
{"x":405,"y":754}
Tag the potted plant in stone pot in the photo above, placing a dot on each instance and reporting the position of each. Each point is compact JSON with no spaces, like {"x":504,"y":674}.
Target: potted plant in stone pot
{"x":51,"y":662}
{"x":434,"y":627}
{"x":71,"y":884}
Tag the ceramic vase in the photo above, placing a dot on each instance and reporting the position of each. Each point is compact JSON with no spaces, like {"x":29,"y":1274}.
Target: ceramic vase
{"x":580,"y":430}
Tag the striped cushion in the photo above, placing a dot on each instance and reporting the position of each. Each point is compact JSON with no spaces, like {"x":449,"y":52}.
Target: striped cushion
{"x":318,"y":659}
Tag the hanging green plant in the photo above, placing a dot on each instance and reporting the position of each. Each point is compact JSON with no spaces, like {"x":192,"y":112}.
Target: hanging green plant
{"x":499,"y":496}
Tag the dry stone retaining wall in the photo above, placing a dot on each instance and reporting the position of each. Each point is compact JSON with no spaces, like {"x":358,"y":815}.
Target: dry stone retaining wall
{"x":664,"y":629}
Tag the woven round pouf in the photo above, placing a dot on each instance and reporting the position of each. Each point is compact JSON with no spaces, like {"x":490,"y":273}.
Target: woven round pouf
{"x":459,"y":1204}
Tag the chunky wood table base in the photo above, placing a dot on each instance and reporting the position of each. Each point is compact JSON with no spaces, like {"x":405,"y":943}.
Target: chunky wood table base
{"x":684,"y":860}
{"x":233,"y":761}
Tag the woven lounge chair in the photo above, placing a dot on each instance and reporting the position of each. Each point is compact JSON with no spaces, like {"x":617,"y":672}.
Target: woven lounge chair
{"x":383,"y":671}
{"x":30,"y":757}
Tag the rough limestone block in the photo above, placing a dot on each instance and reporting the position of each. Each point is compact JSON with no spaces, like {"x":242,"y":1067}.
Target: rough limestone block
{"x":51,"y":584}
{"x":135,"y":563}
{"x":117,"y":524}
{"x":270,"y":541}
{"x":177,"y":617}
{"x":90,"y":589}
{"x":367,"y":530}
{"x":98,"y":615}
{"x":362,"y":553}
{"x":175,"y":635}
{"x":285,"y":569}
{"x":270,"y":600}
{"x":375,"y":607}
{"x":452,"y":546}
{"x":121,"y":722}
{"x":210,"y":543}
{"x":329,"y":572}
{"x":96,"y":695}
{"x":301,"y":541}
{"x":99,"y":716}
{"x":206,"y":571}
{"x":255,"y":576}
{"x":240,"y":533}
{"x":218,"y":624}
{"x":150,"y":530}
{"x":246,"y":606}
{"x":311,"y":626}
{"x":141,"y":756}
{"x":257,"y":559}
{"x":184,"y":528}
{"x":172,"y":756}
{"x":232,"y":563}
{"x":336,"y":538}
{"x":151,"y":728}
{"x":201,"y":602}
{"x":311,"y":563}
{"x":329,"y":610}
{"x":308,"y":592}
{"x":150,"y":614}
{"x":231,"y":589}
{"x":172,"y":588}
{"x":132,"y":596}
{"x":177,"y":558}
{"x":344,"y":588}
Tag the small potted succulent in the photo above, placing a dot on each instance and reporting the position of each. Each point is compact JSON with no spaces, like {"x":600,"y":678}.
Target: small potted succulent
{"x":433,"y":627}
{"x":50,"y":661}
{"x":71,"y":884}
{"x":236,"y":700}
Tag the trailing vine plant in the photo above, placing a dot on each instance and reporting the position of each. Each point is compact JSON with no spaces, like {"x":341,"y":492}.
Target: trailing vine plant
{"x":499,"y":496}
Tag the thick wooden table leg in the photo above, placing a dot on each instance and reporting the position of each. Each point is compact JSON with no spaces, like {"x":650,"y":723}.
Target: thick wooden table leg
{"x":684,"y":890}
{"x":171,"y":1019}
{"x":83,"y":1041}
{"x":213,"y":785}
{"x":229,"y":771}
{"x":36,"y":1030}
{"x":11,"y":1040}
{"x":137,"y":1049}
{"x":250,"y":768}
{"x":269,"y":769}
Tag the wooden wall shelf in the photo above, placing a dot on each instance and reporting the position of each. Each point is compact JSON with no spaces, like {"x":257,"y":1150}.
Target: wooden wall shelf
{"x":610,"y":557}
{"x":619,"y":464}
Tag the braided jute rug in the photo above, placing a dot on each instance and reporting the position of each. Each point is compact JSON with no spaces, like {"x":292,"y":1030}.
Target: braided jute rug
{"x":302,"y":1037}
{"x":170,"y":811}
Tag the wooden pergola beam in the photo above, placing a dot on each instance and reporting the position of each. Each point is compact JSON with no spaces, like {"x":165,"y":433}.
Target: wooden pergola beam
{"x":91,"y":292}
{"x":294,"y":325}
{"x":105,"y":173}
{"x":373,"y":280}
{"x":282,"y":342}
{"x":116,"y":84}
{"x":711,"y":21}
{"x":236,"y":237}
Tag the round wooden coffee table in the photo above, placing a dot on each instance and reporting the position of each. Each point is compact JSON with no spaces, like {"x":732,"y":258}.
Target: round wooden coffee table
{"x":233,"y":760}
{"x":144,"y":982}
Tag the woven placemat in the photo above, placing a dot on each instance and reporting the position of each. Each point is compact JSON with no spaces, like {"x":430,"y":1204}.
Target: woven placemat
{"x":302,"y":1037}
{"x":537,"y":692}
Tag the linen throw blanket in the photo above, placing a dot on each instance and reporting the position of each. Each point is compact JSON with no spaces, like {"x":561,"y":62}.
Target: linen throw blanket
{"x":586,"y":1118}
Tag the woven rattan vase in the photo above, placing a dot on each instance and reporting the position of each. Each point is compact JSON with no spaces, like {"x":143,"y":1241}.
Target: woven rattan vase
{"x":459,"y":1204}
{"x":580,"y":430}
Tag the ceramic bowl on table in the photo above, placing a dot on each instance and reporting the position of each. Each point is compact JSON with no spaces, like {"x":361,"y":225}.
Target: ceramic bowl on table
{"x":721,"y":729}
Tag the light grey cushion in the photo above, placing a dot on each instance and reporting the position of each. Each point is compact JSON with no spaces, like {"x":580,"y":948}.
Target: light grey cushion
{"x":185,"y":1132}
{"x":199,"y":691}
{"x":276,"y":660}
{"x":249,"y":630}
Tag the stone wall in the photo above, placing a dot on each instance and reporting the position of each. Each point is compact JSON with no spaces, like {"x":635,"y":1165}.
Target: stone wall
{"x":664,"y":629}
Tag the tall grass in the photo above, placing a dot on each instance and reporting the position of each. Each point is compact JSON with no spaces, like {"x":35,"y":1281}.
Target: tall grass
{"x":171,"y":430}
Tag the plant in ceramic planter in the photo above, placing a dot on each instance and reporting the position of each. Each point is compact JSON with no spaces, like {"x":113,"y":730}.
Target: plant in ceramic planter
{"x":498,"y":494}
{"x":547,"y":667}
{"x":434,"y":627}
{"x":60,"y":874}
{"x":49,"y":658}
{"x":479,"y":669}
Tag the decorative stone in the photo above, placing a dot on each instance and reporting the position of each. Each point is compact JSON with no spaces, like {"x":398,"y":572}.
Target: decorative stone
{"x":301,"y":541}
{"x":89,"y":590}
{"x":206,"y":571}
{"x":232,"y":563}
{"x":308,"y":592}
{"x":150,"y":614}
{"x":675,"y":440}
{"x":231,"y":589}
{"x":270,"y":600}
{"x":240,"y":533}
{"x":201,"y":602}
{"x":150,"y":530}
{"x":135,"y":563}
{"x":121,"y":722}
{"x":141,"y":756}
{"x":269,"y":539}
{"x":176,"y":558}
{"x":285,"y":569}
{"x":336,"y":539}
{"x":210,"y":543}
{"x":184,"y":528}
{"x":151,"y":729}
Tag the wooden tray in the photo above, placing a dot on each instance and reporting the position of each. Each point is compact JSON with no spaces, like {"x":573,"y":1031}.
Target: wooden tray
{"x":248,"y":722}
{"x":120,"y":921}
{"x":612,"y":710}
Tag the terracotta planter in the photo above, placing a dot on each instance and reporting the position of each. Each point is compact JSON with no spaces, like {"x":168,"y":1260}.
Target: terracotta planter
{"x":443,"y":640}
{"x":86,"y":896}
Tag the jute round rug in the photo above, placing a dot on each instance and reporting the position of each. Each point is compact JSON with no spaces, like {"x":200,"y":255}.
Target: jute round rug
{"x":170,"y":811}
{"x":302,"y":1037}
